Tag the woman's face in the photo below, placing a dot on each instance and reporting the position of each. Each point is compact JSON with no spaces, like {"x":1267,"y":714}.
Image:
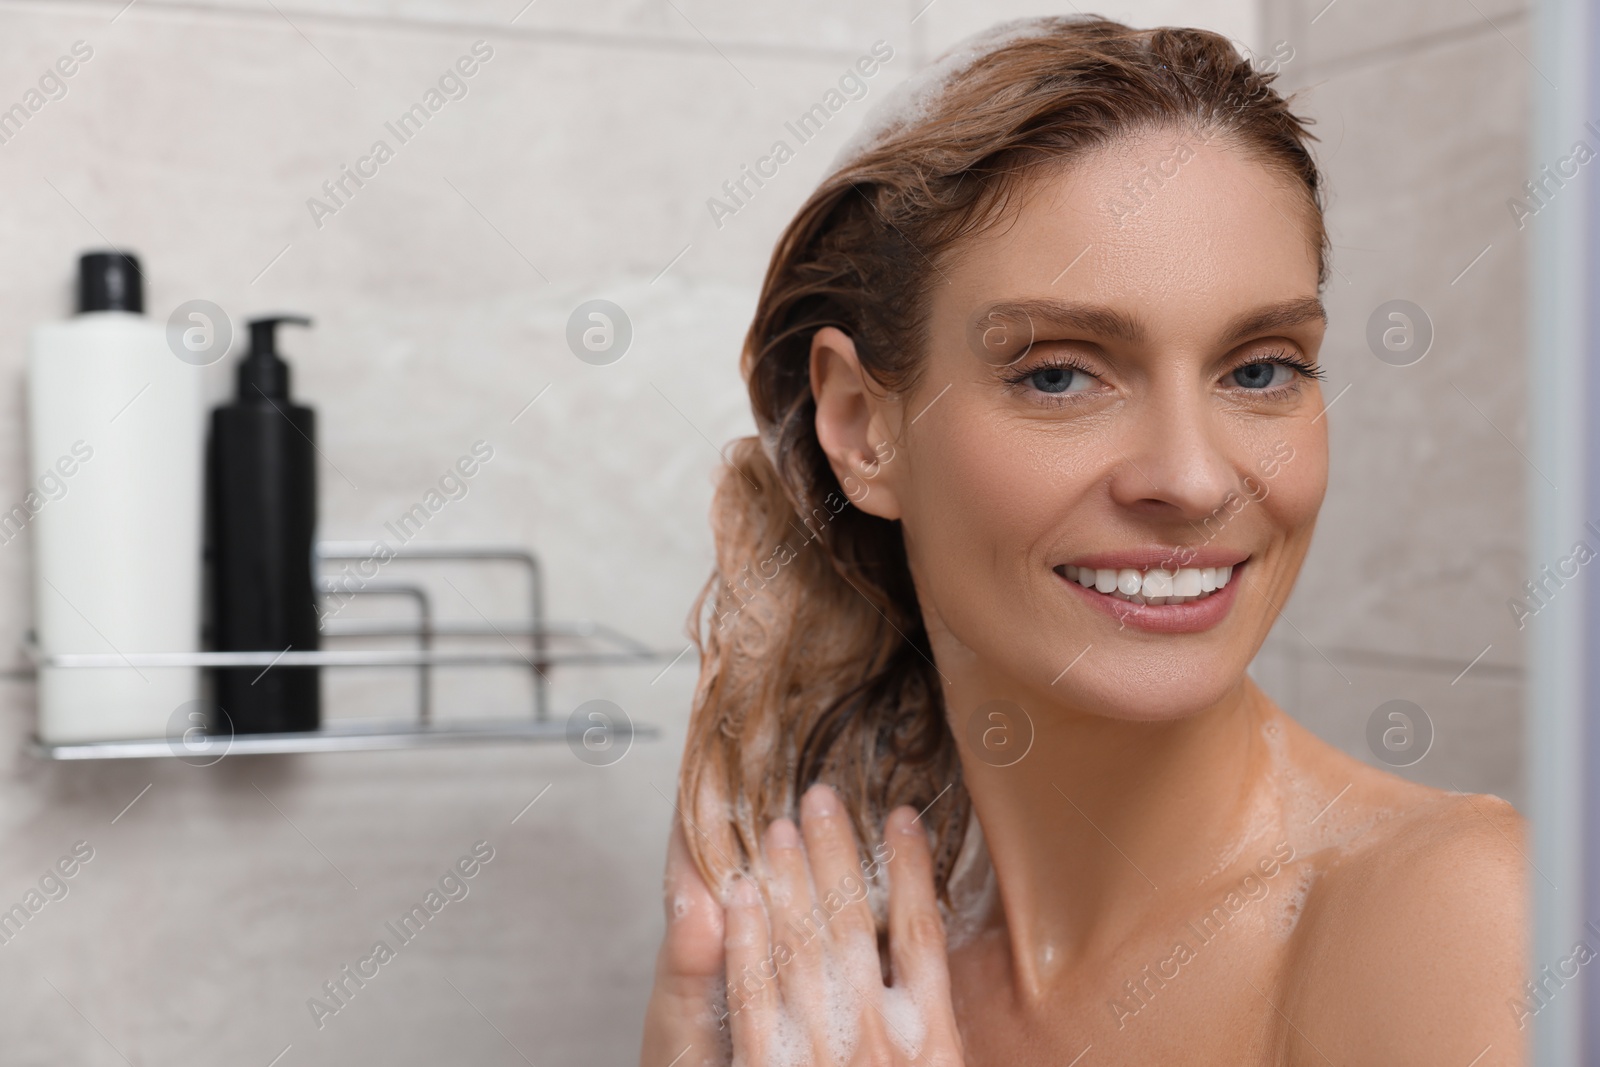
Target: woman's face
{"x":1160,"y":428}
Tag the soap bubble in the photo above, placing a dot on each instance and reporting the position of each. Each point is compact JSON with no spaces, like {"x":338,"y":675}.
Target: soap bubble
{"x":199,"y":733}
{"x":599,"y":332}
{"x":1399,"y":333}
{"x":1000,"y":733}
{"x":199,"y":332}
{"x":916,"y":100}
{"x":1399,"y":733}
{"x":599,"y":732}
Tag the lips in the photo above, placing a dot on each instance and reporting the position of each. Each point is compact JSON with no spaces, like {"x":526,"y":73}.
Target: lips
{"x":1148,"y":590}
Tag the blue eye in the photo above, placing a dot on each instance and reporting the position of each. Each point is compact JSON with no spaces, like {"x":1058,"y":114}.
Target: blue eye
{"x":1058,"y":380}
{"x":1262,"y":375}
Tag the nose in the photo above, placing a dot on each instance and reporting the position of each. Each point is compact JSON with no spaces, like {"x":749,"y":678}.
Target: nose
{"x":1173,"y":462}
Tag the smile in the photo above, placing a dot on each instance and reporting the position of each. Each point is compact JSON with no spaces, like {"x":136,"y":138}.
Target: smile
{"x":1151,"y":586}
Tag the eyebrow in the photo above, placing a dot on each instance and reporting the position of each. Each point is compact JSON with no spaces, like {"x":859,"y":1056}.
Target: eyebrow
{"x":1093,"y":319}
{"x":1275,"y":317}
{"x":1101,"y":321}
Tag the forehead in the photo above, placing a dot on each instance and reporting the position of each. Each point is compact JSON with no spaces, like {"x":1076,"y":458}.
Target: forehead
{"x":1177,"y":229}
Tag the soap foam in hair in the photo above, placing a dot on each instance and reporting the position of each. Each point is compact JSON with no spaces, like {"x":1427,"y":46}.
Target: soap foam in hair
{"x":914,"y":100}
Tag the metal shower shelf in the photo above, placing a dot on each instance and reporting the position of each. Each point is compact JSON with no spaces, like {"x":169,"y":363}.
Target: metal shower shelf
{"x":400,"y":657}
{"x":343,"y":737}
{"x":551,"y":644}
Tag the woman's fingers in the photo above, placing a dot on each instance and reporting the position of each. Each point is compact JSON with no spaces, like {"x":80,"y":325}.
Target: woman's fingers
{"x":797,"y":957}
{"x":841,"y":914}
{"x":917,"y":951}
{"x":694,"y":915}
{"x":752,"y":986}
{"x":787,"y":975}
{"x":680,"y":1023}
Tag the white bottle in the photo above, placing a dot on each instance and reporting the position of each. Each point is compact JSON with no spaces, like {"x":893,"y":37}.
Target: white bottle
{"x":115,"y":434}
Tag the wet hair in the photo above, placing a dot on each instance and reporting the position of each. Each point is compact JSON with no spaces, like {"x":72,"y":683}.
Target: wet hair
{"x":815,"y":663}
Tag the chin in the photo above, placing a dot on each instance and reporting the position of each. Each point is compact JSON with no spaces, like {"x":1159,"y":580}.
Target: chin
{"x":1131,"y":687}
{"x":1091,"y":653}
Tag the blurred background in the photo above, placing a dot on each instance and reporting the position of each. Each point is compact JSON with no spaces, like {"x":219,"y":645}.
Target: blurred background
{"x":580,"y":163}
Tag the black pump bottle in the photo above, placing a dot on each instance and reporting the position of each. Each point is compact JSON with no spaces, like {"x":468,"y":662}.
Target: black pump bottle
{"x":261,"y":518}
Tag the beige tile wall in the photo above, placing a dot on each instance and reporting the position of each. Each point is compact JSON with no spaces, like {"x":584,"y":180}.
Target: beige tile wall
{"x":579,"y":165}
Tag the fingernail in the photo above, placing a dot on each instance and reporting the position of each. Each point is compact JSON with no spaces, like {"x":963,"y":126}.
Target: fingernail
{"x":821,"y":801}
{"x":904,"y":820}
{"x":782,"y":834}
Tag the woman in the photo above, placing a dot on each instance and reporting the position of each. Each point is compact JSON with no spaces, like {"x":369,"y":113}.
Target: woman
{"x":1042,"y":447}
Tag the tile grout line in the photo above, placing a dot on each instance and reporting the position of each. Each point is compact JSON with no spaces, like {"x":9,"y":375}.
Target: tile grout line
{"x":663,"y":42}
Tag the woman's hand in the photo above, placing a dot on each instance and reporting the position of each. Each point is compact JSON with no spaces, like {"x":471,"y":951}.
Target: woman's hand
{"x":682,"y":1026}
{"x":803,"y":975}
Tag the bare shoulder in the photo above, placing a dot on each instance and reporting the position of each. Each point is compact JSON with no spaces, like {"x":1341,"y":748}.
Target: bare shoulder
{"x":1411,"y":946}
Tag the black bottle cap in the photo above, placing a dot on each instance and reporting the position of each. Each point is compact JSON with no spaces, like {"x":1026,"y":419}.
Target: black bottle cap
{"x":262,"y":373}
{"x":110,"y":281}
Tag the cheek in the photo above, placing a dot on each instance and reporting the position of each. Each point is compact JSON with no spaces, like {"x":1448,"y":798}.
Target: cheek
{"x":1296,"y":491}
{"x":986,"y":498}
{"x":971,"y":494}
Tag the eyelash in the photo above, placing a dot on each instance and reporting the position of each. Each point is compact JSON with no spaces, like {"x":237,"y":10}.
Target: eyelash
{"x":1016,"y":378}
{"x":1284,"y":359}
{"x":1304,"y":367}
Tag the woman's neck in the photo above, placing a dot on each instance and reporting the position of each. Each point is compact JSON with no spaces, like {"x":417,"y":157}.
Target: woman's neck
{"x":1093,"y":829}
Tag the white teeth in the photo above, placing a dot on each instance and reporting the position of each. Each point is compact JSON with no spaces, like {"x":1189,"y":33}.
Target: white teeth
{"x":1155,"y":586}
{"x":1156,"y":583}
{"x":1187,"y":582}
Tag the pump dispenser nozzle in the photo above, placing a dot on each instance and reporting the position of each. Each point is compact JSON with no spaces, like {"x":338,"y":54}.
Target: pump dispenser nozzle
{"x":262,"y":373}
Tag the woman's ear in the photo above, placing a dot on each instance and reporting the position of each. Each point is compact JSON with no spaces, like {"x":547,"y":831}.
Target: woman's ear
{"x":852,"y":423}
